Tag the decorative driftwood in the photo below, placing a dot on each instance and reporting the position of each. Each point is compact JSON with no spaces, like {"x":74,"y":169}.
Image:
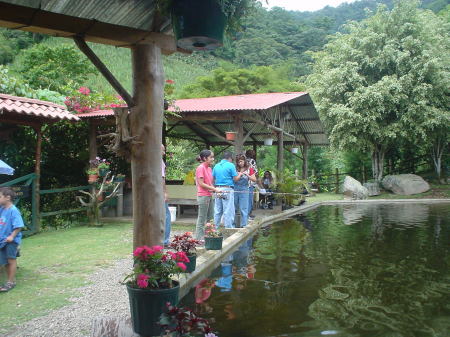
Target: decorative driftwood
{"x":93,"y":203}
{"x":121,"y":141}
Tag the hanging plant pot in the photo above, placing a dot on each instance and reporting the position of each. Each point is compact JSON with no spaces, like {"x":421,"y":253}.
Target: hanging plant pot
{"x":198,"y":24}
{"x":103,"y":172}
{"x":92,"y":178}
{"x":230,"y":135}
{"x":268,"y":141}
{"x":146,"y":305}
{"x":294,"y":150}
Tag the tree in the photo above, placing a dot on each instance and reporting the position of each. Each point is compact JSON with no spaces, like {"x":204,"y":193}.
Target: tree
{"x":375,"y":84}
{"x":224,"y":82}
{"x":60,"y":68}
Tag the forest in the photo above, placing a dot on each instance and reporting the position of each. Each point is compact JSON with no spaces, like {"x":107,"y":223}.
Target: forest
{"x":378,"y":72}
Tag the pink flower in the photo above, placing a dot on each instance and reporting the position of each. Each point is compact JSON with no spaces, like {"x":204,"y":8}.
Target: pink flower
{"x":170,"y":81}
{"x":182,"y":257}
{"x":84,"y":91}
{"x":157,"y":248}
{"x":172,"y":255}
{"x":142,"y":281}
{"x":182,"y":266}
{"x":143,"y":252}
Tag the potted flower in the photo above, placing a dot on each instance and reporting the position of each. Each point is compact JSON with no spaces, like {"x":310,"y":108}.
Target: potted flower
{"x":200,"y":24}
{"x":119,"y":178}
{"x":103,"y":167}
{"x":92,"y":175}
{"x":213,"y":237}
{"x":187,"y":244}
{"x":183,"y":322}
{"x":150,"y":286}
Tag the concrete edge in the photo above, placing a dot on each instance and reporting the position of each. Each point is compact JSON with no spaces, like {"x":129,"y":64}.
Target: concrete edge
{"x":210,"y":259}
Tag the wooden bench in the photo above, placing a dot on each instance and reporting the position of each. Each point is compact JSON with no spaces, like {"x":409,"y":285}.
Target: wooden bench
{"x":182,"y":195}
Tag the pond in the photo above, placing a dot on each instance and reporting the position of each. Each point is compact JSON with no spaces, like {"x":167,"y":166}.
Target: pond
{"x":349,"y":270}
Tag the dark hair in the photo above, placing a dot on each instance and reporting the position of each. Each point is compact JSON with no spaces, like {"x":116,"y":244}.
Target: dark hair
{"x":250,"y":154}
{"x":8,"y":192}
{"x":241,"y":157}
{"x":227,"y":155}
{"x":203,"y":155}
{"x":270,"y":174}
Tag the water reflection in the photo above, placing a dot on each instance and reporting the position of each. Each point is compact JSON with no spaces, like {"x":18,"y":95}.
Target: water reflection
{"x":316,"y":275}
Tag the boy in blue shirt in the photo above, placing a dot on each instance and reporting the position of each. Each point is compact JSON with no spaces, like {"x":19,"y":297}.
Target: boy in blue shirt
{"x":11,"y":224}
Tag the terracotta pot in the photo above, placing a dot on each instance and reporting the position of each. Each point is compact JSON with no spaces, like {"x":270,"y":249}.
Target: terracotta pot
{"x":230,"y":135}
{"x":92,"y":178}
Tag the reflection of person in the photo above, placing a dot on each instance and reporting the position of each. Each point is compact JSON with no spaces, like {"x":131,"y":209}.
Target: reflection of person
{"x":203,"y":290}
{"x":226,"y":279}
{"x":224,"y":174}
{"x":11,"y":224}
{"x":166,"y":201}
{"x":205,"y":187}
{"x":241,"y":187}
{"x":251,"y":157}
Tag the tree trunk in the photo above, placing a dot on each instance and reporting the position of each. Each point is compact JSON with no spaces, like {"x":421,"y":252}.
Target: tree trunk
{"x":378,"y":154}
{"x":436,"y":153}
{"x":146,"y":125}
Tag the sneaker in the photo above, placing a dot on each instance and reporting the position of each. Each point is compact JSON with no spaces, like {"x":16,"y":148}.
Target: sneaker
{"x":7,"y":287}
{"x":251,"y":217}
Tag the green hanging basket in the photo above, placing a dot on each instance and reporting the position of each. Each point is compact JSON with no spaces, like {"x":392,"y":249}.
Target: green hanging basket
{"x":198,"y":24}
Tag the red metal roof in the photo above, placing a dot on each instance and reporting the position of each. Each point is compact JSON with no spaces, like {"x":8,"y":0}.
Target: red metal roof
{"x":34,"y":107}
{"x":235,"y":102}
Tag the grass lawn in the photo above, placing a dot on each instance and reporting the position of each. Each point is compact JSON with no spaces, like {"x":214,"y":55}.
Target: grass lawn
{"x":55,"y":263}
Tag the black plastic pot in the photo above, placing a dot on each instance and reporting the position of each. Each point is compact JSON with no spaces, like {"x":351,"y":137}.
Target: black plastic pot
{"x":198,"y":24}
{"x":190,"y":266}
{"x":214,"y":243}
{"x":147,"y":305}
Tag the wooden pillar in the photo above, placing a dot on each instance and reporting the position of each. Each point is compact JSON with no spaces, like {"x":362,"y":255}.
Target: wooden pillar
{"x":280,"y":152}
{"x":255,"y":148}
{"x":92,"y":139}
{"x":239,"y":141}
{"x":36,"y":219}
{"x":146,"y":125}
{"x":305,"y":162}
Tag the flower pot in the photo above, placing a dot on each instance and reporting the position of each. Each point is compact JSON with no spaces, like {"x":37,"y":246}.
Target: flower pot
{"x":92,"y":178}
{"x":147,"y":305}
{"x":103,"y":172}
{"x":198,"y":24}
{"x":268,"y":141}
{"x":213,"y":243}
{"x":294,"y":150}
{"x":230,"y":135}
{"x":190,"y":266}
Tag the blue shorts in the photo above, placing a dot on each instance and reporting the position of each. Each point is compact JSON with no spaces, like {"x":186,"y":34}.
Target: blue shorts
{"x":8,"y":252}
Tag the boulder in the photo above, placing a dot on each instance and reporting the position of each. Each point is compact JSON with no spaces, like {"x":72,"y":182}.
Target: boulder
{"x":373,"y":188}
{"x":405,"y":184}
{"x":353,"y":189}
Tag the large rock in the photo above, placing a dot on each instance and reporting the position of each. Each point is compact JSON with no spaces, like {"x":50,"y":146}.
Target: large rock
{"x":373,"y":188}
{"x":405,"y":184}
{"x":353,"y":189}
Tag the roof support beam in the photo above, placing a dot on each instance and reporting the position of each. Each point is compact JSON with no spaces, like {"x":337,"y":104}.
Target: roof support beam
{"x":82,"y":45}
{"x":205,"y":140}
{"x":213,"y":132}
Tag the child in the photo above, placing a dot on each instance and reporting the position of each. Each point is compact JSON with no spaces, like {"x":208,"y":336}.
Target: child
{"x":11,"y":224}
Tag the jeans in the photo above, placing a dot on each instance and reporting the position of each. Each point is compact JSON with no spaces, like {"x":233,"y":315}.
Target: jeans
{"x":205,"y":213}
{"x":241,"y":203}
{"x":250,"y":199}
{"x":225,"y":207}
{"x":167,"y":227}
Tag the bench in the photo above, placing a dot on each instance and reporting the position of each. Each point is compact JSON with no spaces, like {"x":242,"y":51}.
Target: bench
{"x":182,"y":195}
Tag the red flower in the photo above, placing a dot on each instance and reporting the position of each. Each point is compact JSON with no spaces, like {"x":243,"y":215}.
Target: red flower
{"x":170,"y":81}
{"x":84,"y":91}
{"x":182,"y":257}
{"x":142,"y":281}
{"x":182,"y":265}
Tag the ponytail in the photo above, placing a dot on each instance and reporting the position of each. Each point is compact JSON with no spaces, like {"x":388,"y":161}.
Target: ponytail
{"x":203,"y":155}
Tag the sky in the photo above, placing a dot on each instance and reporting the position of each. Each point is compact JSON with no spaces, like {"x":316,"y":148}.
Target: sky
{"x":303,"y":5}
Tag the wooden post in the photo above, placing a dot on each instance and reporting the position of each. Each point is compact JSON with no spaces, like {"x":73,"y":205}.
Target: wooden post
{"x":37,"y":182}
{"x":239,"y":141}
{"x":255,"y":148}
{"x":390,"y":166}
{"x":305,"y":162}
{"x":146,"y":156}
{"x":363,"y":171}
{"x":280,"y":153}
{"x":92,"y":139}
{"x":337,"y":181}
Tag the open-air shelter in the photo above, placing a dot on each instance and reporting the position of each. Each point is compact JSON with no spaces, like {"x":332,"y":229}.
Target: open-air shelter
{"x":20,"y":111}
{"x":290,"y":118}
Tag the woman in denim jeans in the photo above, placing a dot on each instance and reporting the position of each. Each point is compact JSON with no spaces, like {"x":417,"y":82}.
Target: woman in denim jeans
{"x":205,"y":187}
{"x":241,"y":187}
